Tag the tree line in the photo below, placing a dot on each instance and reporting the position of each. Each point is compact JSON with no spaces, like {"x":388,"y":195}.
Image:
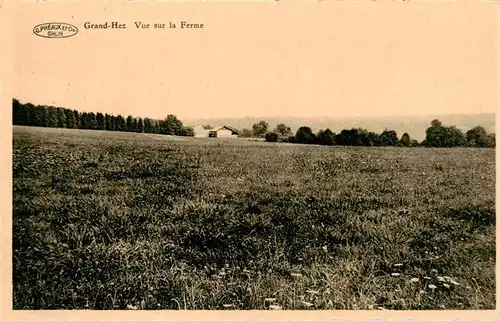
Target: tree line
{"x":48,"y":116}
{"x":437,"y":135}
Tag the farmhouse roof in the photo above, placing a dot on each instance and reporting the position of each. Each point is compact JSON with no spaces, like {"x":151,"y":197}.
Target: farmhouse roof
{"x":232,"y":129}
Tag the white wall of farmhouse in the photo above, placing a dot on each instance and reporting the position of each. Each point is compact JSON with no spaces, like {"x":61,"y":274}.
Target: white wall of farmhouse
{"x":199,"y":131}
{"x":224,"y":133}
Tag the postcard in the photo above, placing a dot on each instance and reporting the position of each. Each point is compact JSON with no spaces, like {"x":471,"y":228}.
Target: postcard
{"x":322,"y":160}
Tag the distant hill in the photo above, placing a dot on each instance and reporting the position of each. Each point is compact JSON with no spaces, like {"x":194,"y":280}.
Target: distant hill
{"x":415,"y":126}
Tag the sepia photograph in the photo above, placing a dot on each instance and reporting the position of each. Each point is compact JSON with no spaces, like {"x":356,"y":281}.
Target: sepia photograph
{"x":272,"y":156}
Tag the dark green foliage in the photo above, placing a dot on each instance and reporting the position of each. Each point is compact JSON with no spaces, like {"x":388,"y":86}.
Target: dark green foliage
{"x":129,"y":125}
{"x":405,"y":140}
{"x":120,"y":123}
{"x":92,"y":120}
{"x":50,"y":117}
{"x":135,"y":127}
{"x":140,"y":125}
{"x":70,"y":118}
{"x":260,"y":128}
{"x":441,"y":136}
{"x":78,"y":121}
{"x":283,"y":130}
{"x":108,"y":122}
{"x":17,"y":113}
{"x":477,"y":137}
{"x":171,"y":126}
{"x":245,"y":132}
{"x":305,"y":135}
{"x":351,"y":137}
{"x":492,"y":140}
{"x":389,"y":138}
{"x":187,"y":131}
{"x":47,"y":116}
{"x":148,"y":125}
{"x":101,"y":123}
{"x":271,"y":137}
{"x":326,"y":137}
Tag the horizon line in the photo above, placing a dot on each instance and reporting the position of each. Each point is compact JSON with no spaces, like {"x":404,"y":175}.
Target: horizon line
{"x":282,"y":116}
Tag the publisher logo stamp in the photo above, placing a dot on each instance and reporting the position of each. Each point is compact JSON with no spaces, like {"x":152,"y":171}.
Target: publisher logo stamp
{"x":55,"y":30}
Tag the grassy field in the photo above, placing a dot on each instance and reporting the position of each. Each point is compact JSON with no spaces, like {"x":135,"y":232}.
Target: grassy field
{"x":106,"y":220}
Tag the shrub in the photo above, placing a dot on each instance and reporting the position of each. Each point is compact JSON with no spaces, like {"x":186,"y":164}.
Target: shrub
{"x":305,"y":135}
{"x":271,"y":137}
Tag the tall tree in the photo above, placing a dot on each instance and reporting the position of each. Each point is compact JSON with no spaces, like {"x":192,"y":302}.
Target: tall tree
{"x":121,"y":125}
{"x":405,"y":140}
{"x":283,"y":130}
{"x":41,"y":116}
{"x":148,"y":126}
{"x":326,"y":137}
{"x":78,"y":120}
{"x":373,"y":139}
{"x":260,"y":128}
{"x":70,"y":118}
{"x":101,"y":123}
{"x":92,"y":120}
{"x":130,"y":123}
{"x":50,"y":117}
{"x":17,"y":113}
{"x":135,"y":125}
{"x":140,"y":125}
{"x":454,"y":137}
{"x":305,"y":135}
{"x":477,"y":137}
{"x":349,"y":137}
{"x":30,"y":114}
{"x":61,"y":118}
{"x":492,"y":140}
{"x":389,"y":138}
{"x":107,"y":121}
{"x":171,"y":126}
{"x":84,"y":120}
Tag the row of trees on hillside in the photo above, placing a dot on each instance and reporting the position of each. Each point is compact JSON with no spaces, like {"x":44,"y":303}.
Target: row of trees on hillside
{"x":48,"y":116}
{"x":437,"y":135}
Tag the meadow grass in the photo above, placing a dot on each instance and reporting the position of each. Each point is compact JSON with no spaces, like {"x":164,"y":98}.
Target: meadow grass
{"x":105,"y":220}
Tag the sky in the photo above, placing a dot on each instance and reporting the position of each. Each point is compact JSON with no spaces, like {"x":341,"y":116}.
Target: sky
{"x":251,"y":60}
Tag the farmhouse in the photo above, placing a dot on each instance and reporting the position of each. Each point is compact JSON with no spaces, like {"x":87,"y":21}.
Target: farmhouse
{"x":219,"y":131}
